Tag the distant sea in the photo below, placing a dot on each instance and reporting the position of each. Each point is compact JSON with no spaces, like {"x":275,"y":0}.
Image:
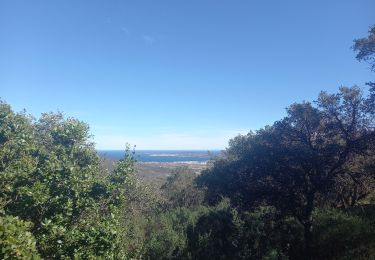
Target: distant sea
{"x":163,"y":155}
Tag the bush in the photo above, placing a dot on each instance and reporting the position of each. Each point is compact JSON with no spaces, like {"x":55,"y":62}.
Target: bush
{"x":343,"y":234}
{"x":224,"y":233}
{"x":166,"y":235}
{"x":181,"y":190}
{"x":16,"y":242}
{"x":50,"y":176}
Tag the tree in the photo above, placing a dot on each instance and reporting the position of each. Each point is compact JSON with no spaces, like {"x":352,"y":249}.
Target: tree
{"x":50,"y":176}
{"x":365,"y":48}
{"x":295,"y":164}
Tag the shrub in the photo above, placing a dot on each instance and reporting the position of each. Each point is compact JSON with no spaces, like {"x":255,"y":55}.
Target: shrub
{"x":343,"y":234}
{"x":16,"y":242}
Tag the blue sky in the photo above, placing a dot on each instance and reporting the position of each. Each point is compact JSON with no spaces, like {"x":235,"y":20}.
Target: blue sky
{"x":176,"y":74}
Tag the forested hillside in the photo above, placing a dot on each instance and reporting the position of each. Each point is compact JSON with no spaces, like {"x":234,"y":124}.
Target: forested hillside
{"x":301,"y":188}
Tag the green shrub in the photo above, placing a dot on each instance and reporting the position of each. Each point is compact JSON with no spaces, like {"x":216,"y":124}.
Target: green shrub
{"x":16,"y":242}
{"x":181,"y":190}
{"x":50,"y":175}
{"x":343,"y":234}
{"x":166,"y":235}
{"x":224,"y":233}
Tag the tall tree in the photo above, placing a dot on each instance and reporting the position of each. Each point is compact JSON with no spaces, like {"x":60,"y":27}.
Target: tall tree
{"x":295,"y":164}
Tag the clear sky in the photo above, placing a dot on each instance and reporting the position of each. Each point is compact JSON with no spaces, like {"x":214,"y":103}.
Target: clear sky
{"x":177,"y":74}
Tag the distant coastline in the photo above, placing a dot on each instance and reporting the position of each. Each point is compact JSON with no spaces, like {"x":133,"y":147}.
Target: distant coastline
{"x":171,"y":156}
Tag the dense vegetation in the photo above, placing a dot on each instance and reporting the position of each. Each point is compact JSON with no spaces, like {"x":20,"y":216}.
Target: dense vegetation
{"x":302,"y":188}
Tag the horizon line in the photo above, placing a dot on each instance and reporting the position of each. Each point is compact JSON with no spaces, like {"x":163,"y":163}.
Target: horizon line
{"x":162,"y":149}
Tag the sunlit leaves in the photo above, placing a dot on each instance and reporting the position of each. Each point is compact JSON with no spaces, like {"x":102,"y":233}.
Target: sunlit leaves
{"x":50,"y":175}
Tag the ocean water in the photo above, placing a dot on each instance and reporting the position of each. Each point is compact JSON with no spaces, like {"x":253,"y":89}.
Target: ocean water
{"x":164,"y":156}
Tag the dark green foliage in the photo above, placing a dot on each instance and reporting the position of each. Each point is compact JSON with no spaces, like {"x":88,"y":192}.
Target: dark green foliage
{"x":343,"y":234}
{"x":266,"y":234}
{"x":166,"y":236}
{"x":215,"y":235}
{"x":316,"y":156}
{"x":181,"y":190}
{"x":143,"y":204}
{"x":224,"y":233}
